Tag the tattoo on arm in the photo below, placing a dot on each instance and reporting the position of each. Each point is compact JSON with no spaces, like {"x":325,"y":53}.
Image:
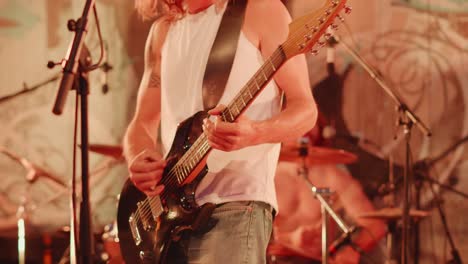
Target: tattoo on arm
{"x":155,"y":81}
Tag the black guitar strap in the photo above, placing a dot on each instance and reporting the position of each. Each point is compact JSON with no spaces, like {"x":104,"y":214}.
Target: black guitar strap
{"x":222,"y":53}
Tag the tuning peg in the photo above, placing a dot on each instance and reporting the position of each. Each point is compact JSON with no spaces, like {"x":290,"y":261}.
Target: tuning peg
{"x":348,"y":9}
{"x":321,"y":43}
{"x":335,"y":3}
{"x":327,"y":36}
{"x":314,"y":52}
{"x":333,"y":26}
{"x":321,"y":20}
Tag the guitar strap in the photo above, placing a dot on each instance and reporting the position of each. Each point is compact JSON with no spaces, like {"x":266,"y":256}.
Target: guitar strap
{"x":222,"y":53}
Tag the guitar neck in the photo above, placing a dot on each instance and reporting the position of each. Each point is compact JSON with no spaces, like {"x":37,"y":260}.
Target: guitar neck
{"x":238,"y":105}
{"x":254,"y":86}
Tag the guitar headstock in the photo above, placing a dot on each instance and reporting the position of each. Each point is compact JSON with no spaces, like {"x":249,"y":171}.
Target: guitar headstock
{"x":305,"y":33}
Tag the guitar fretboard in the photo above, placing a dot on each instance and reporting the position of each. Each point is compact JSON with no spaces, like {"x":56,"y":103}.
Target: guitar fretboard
{"x":182,"y":169}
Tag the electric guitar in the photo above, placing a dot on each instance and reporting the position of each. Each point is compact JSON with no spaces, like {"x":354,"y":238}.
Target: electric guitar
{"x":148,"y":226}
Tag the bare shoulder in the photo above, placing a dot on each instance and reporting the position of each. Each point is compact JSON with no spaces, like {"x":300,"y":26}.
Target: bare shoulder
{"x":156,"y":38}
{"x":272,"y":13}
{"x":268,"y":21}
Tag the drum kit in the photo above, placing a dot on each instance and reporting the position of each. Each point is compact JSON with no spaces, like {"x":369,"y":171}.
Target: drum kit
{"x":108,"y":249}
{"x":307,"y":156}
{"x":302,"y":153}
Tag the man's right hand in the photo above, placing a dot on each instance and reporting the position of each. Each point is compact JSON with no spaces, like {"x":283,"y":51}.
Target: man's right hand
{"x":146,"y":171}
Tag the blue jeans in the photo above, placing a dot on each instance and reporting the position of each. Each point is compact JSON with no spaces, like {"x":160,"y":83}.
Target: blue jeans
{"x":240,"y":236}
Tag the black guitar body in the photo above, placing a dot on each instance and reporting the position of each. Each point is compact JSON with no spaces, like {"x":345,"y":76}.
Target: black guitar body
{"x":149,"y":240}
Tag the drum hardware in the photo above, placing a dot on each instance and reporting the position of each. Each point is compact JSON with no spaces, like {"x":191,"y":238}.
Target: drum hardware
{"x":33,"y":173}
{"x":421,"y":173}
{"x":316,"y":155}
{"x":113,"y":151}
{"x":27,"y":89}
{"x":394,"y":213}
{"x":320,"y":194}
{"x":407,"y":119}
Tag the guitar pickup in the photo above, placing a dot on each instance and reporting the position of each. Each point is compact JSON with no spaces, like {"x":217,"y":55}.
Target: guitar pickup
{"x":156,"y":206}
{"x":134,"y":229}
{"x":146,"y":216}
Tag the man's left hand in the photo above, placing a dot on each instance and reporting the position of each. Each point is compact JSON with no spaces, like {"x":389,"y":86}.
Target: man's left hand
{"x":227,"y":136}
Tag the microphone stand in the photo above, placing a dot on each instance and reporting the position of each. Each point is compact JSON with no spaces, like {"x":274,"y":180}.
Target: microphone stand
{"x":407,"y":120}
{"x":75,"y":75}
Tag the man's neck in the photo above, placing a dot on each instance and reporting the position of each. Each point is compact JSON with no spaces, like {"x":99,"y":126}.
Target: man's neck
{"x":195,"y":6}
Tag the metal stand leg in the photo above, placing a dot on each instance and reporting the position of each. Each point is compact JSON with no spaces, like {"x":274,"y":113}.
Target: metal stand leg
{"x":324,"y":235}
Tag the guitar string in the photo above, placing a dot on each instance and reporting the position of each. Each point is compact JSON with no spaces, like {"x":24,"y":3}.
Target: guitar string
{"x":278,"y":54}
{"x":202,"y":140}
{"x":278,"y":58}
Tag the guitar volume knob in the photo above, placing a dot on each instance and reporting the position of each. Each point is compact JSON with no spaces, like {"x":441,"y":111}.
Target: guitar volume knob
{"x":146,"y":256}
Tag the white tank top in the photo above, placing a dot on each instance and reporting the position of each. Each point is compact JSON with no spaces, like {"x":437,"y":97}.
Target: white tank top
{"x":246,"y":174}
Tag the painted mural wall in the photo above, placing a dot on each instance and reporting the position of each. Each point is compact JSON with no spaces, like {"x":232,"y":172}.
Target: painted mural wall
{"x":419,"y":47}
{"x":31,"y":34}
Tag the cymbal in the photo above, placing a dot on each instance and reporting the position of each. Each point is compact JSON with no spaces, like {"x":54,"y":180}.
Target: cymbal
{"x":394,"y":213}
{"x":113,"y":151}
{"x":316,"y":155}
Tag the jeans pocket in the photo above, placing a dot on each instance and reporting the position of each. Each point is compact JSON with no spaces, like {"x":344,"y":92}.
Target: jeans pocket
{"x":234,"y":207}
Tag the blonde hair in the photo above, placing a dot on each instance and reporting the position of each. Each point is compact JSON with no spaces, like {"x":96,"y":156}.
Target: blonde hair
{"x":150,"y":9}
{"x":175,"y":9}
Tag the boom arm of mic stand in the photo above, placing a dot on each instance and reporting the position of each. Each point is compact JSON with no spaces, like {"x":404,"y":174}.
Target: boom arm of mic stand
{"x":391,"y":92}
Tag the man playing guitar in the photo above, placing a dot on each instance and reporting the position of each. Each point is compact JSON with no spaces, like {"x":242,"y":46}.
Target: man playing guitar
{"x":243,"y":162}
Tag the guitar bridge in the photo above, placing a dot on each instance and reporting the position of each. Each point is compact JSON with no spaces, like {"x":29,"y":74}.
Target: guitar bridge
{"x":134,"y":229}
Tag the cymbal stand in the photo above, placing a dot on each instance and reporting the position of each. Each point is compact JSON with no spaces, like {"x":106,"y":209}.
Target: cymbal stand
{"x":326,"y":209}
{"x":407,"y":120}
{"x":28,"y":89}
{"x":456,"y":259}
{"x":20,"y":214}
{"x":422,"y":174}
